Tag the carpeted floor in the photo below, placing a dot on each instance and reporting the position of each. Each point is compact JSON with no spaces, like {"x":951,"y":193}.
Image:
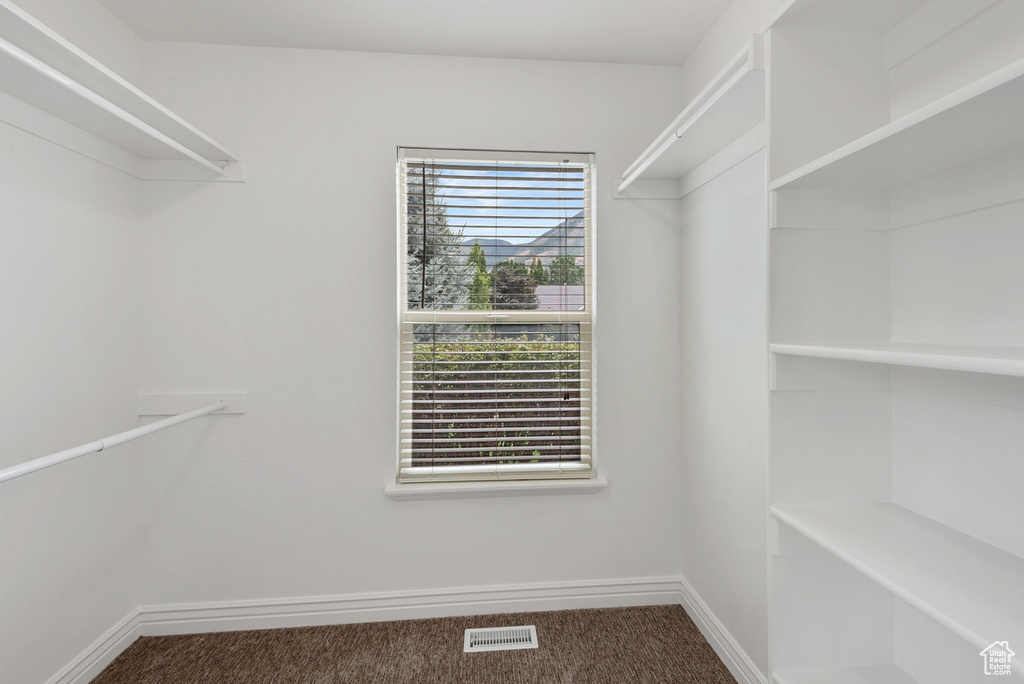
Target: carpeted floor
{"x":603,"y":646}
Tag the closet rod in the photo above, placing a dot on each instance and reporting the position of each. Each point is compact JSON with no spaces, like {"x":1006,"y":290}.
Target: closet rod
{"x":105,"y":443}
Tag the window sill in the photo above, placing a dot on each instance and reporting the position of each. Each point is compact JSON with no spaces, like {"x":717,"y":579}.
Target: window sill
{"x":468,"y":490}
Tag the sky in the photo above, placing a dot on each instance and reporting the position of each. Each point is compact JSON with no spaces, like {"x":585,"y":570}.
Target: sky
{"x":505,"y":202}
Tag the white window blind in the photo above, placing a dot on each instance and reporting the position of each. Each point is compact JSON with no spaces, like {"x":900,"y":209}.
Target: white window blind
{"x":496,"y":310}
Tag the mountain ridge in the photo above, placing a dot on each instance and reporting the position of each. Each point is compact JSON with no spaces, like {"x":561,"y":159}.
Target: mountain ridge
{"x":565,"y":239}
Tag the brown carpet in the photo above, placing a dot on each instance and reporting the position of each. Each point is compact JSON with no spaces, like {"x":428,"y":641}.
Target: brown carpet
{"x":611,"y":645}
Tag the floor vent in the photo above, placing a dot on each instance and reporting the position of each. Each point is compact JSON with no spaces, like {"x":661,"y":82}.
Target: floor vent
{"x":500,"y":639}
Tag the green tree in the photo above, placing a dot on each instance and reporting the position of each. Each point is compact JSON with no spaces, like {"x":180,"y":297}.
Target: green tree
{"x":511,"y":266}
{"x":537,"y":272}
{"x":480,"y":288}
{"x":477,"y":257}
{"x":512,"y":286}
{"x":564,"y":270}
{"x":438,"y":274}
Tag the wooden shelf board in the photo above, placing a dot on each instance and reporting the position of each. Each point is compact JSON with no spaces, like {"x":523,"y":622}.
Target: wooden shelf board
{"x":974,"y":124}
{"x":862,"y":674}
{"x":24,"y":33}
{"x":974,"y":359}
{"x":972,"y":588}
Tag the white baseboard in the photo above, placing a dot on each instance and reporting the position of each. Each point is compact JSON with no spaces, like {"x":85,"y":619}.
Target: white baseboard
{"x":196,"y":618}
{"x":101,"y":653}
{"x":731,"y":653}
{"x":406,"y":605}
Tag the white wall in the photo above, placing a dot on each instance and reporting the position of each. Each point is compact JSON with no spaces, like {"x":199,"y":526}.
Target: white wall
{"x":285,"y":287}
{"x":725,"y":395}
{"x":69,"y":359}
{"x":69,"y":353}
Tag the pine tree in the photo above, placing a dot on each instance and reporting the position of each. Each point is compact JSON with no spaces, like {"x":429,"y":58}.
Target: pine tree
{"x":438,"y":273}
{"x":480,"y":288}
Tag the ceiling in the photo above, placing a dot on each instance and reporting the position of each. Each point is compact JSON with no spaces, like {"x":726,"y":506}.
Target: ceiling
{"x":626,"y":31}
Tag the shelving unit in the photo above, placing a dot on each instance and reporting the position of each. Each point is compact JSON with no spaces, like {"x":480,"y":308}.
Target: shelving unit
{"x":897,"y":173}
{"x":55,"y":90}
{"x":895,"y":167}
{"x":729,"y":107}
{"x":973,"y":589}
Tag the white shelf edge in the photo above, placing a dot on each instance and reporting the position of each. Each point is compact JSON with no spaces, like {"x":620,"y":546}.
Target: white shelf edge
{"x":749,"y":60}
{"x":59,"y":66}
{"x":857,"y":674}
{"x":818,"y":524}
{"x":881,"y":135}
{"x":974,"y":359}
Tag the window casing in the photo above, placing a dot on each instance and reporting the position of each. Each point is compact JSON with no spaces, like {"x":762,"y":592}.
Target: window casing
{"x":496,"y":308}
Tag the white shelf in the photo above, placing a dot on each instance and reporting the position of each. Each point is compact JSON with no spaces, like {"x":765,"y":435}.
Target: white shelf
{"x":864,"y":674}
{"x":732,"y":105}
{"x":972,"y":588}
{"x":979,"y":122}
{"x":42,"y":69}
{"x":975,"y":359}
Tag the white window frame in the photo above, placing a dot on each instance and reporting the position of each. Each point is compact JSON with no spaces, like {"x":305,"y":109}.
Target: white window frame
{"x":417,"y":482}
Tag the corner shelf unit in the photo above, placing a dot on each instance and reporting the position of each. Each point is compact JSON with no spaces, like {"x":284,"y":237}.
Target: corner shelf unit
{"x":53,"y":89}
{"x":896,"y":165}
{"x":730,"y":107}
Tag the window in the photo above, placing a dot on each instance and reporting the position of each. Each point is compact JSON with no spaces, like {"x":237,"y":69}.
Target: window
{"x":496,"y":308}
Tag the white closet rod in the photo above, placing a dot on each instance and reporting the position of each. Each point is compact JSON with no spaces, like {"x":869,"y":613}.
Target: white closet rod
{"x":105,"y":443}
